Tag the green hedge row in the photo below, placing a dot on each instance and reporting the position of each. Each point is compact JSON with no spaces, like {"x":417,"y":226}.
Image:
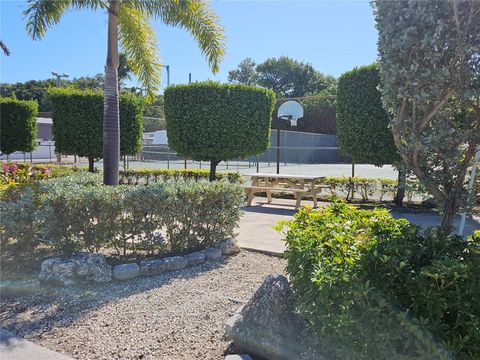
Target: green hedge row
{"x":78,"y":122}
{"x":209,"y":121}
{"x":76,"y":213}
{"x":362,"y":123}
{"x":18,"y":127}
{"x":147,"y":176}
{"x":374,"y":287}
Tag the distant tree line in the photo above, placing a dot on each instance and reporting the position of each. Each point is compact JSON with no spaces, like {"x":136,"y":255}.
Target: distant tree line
{"x":285,"y":76}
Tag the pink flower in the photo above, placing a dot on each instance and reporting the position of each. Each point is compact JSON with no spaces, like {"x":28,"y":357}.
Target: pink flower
{"x":46,"y":171}
{"x":13,"y":168}
{"x":6,"y":168}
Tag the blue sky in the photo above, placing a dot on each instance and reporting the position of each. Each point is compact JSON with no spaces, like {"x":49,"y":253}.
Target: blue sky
{"x":334,"y":36}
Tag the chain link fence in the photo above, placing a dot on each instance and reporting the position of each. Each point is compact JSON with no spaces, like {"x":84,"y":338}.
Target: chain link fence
{"x":310,"y":147}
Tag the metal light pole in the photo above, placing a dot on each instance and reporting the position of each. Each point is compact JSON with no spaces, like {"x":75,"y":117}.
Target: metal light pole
{"x":470,"y":189}
{"x":59,"y":76}
{"x":168,"y":73}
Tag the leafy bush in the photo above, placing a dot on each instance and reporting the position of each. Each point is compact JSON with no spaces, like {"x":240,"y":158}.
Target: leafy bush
{"x":215,"y":122}
{"x":18,"y":129}
{"x":345,"y":187}
{"x":78,"y":118}
{"x":147,"y":176}
{"x":383,"y":288}
{"x":78,"y":213}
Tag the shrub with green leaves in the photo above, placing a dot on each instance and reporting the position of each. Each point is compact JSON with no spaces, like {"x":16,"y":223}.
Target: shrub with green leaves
{"x":18,"y":129}
{"x":375,"y":287}
{"x":78,"y":121}
{"x":75,"y":213}
{"x":148,"y":176}
{"x":213,"y":122}
{"x":362,"y":123}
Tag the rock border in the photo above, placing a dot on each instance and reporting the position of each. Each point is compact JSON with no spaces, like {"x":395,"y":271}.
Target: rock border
{"x":151,"y":267}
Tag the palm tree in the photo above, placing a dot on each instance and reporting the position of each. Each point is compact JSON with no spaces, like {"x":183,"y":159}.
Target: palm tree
{"x":129,"y":23}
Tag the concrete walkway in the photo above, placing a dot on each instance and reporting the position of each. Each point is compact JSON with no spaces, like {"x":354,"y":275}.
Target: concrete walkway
{"x":13,"y":347}
{"x":256,"y":227}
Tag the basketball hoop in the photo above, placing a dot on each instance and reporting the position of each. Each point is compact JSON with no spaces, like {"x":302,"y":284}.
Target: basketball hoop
{"x":290,"y":110}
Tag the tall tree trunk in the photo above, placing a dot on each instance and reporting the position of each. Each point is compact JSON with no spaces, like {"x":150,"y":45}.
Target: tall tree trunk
{"x":448,"y":216}
{"x":111,"y":117}
{"x":402,"y":180}
{"x":91,"y":164}
{"x":213,"y":170}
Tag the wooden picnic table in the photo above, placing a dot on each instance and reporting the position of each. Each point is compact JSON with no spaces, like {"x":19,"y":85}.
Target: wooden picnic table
{"x":302,"y":186}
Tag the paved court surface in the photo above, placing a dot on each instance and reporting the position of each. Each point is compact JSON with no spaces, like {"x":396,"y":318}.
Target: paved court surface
{"x":256,"y":227}
{"x":244,"y":167}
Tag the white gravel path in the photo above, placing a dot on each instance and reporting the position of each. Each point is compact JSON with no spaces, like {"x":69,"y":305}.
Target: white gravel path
{"x":179,"y":315}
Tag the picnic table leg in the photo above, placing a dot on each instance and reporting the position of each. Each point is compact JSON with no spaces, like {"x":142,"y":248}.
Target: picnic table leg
{"x":251,"y":192}
{"x":269,"y":193}
{"x":299,"y":200}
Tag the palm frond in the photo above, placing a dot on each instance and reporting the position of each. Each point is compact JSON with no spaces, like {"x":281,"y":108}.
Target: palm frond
{"x":139,"y":42}
{"x":43,"y":14}
{"x":194,"y":16}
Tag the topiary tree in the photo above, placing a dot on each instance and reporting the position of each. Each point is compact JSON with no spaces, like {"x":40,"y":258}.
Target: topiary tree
{"x":18,"y":130}
{"x":213,"y":122}
{"x":363,"y":124}
{"x":430,"y":68}
{"x":78,"y":123}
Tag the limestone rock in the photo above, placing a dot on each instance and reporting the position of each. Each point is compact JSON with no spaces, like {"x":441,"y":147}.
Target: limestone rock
{"x":126,"y":271}
{"x":238,"y":357}
{"x":175,"y":263}
{"x":152,"y":267}
{"x":82,"y":267}
{"x":269,"y":327}
{"x":213,"y":253}
{"x":195,"y":258}
{"x":229,"y":246}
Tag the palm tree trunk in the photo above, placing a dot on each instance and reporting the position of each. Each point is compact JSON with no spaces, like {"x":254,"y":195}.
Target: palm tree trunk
{"x":111,"y":116}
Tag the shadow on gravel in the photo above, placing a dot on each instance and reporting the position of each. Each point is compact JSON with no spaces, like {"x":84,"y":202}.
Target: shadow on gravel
{"x":28,"y":316}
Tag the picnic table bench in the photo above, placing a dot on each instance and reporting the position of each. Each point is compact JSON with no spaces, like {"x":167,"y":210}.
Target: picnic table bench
{"x":302,"y":186}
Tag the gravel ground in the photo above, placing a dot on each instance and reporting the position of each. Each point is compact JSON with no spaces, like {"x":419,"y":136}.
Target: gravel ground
{"x":180,"y":315}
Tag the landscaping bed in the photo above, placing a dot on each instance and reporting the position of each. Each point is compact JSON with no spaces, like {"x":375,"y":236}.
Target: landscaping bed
{"x":176,"y":315}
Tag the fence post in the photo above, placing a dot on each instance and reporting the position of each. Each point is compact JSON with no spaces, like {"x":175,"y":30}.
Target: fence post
{"x":278,"y":149}
{"x":351,"y":179}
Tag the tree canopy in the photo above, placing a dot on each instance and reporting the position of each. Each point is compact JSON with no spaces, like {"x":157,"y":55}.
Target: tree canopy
{"x":431,"y":84}
{"x":285,"y":76}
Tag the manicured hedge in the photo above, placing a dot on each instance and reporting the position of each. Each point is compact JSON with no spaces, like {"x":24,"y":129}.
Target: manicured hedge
{"x":213,"y":122}
{"x":77,"y":212}
{"x":362,"y":123}
{"x":18,"y":129}
{"x":374,"y":287}
{"x":78,"y":122}
{"x":148,"y":176}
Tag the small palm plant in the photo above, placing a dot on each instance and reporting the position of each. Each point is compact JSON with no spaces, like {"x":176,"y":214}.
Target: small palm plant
{"x":129,"y":24}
